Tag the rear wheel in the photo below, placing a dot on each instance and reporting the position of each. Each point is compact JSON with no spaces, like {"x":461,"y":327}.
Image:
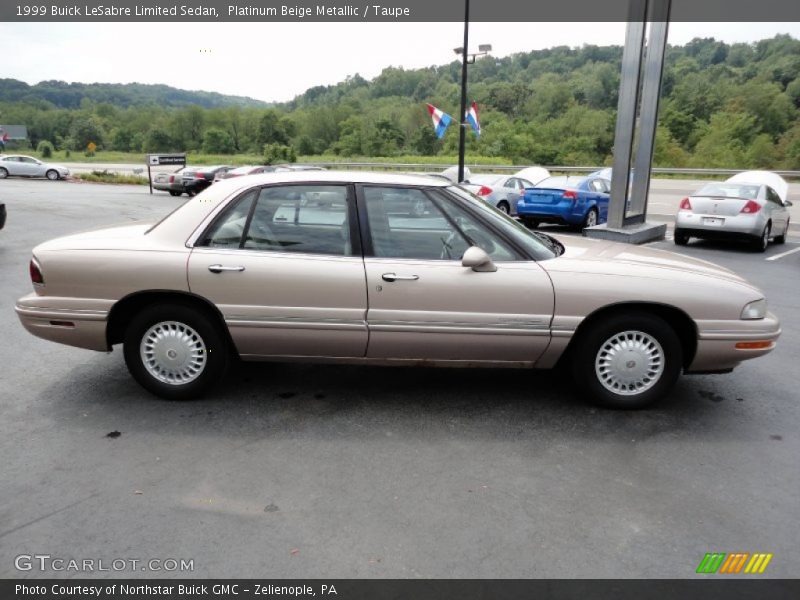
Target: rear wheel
{"x":52,"y":174}
{"x":627,"y":361}
{"x":680,"y":237}
{"x":503,"y":207}
{"x":175,"y":352}
{"x":3,"y":173}
{"x":781,"y":239}
{"x":762,"y":242}
{"x":532,"y":223}
{"x":174,"y":193}
{"x":590,"y":220}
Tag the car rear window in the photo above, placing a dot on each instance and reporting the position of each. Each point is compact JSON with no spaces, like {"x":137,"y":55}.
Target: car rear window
{"x":729,"y":190}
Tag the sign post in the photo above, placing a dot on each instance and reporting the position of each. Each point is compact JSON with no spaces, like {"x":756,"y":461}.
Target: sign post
{"x":154,"y":160}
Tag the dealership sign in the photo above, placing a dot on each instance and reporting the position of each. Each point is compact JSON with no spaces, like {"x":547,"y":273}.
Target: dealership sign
{"x":166,"y":159}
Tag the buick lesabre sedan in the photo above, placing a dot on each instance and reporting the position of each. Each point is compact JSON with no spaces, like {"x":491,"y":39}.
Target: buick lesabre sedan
{"x":254,"y":268}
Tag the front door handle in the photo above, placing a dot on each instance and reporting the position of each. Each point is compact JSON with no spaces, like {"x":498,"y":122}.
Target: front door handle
{"x":396,"y":277}
{"x":221,"y":268}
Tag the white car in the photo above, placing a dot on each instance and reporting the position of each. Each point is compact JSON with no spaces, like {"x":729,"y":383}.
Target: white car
{"x":751,"y":206}
{"x":18,"y":165}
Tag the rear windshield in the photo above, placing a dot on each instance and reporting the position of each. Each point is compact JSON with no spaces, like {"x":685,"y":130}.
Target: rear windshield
{"x":560,"y":182}
{"x":729,"y":190}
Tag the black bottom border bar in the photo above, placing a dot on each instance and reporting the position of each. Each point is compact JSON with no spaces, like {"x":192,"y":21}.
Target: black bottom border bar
{"x":705,"y":588}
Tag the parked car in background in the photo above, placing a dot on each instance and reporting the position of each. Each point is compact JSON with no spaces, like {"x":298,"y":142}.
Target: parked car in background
{"x":576,"y":201}
{"x":18,"y":165}
{"x":501,"y":191}
{"x":247,"y":269}
{"x":245,"y":170}
{"x":171,"y":182}
{"x":750,"y":206}
{"x":197,"y":179}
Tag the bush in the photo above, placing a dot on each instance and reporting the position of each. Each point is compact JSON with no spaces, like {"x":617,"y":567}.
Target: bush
{"x":217,"y":141}
{"x":45,"y":148}
{"x":277,"y":153}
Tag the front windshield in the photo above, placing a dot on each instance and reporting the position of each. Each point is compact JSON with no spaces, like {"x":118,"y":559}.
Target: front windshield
{"x":538,"y":247}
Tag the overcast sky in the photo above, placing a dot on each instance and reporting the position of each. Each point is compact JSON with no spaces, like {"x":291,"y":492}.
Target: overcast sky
{"x":270,"y":61}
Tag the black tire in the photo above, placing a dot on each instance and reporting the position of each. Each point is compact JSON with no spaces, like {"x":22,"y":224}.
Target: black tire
{"x":592,"y":342}
{"x":680,"y":237}
{"x":3,"y":173}
{"x":503,"y":207}
{"x":52,"y":175}
{"x":215,"y":350}
{"x":532,"y":223}
{"x":190,"y":192}
{"x":590,"y":220}
{"x":781,"y":239}
{"x":761,"y":243}
{"x":174,"y":193}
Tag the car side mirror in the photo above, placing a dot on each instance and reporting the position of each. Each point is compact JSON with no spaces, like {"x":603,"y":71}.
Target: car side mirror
{"x":788,"y":203}
{"x":477,"y":260}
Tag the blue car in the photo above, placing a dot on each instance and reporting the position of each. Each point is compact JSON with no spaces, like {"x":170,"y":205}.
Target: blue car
{"x":576,"y":201}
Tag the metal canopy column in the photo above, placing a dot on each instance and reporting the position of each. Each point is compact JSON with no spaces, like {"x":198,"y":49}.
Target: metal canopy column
{"x":627,"y":212}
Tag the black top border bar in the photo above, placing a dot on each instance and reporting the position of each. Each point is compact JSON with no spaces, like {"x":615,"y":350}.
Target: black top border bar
{"x":409,"y":11}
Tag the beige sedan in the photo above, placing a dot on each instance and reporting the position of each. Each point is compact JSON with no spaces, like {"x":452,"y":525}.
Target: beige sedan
{"x":260,"y":268}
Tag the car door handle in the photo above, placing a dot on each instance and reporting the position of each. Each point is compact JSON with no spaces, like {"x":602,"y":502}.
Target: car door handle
{"x":221,"y":268}
{"x":396,"y":277}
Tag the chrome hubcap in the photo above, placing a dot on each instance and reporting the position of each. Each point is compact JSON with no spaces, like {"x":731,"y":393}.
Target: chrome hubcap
{"x":629,"y":363}
{"x":173,"y":353}
{"x":503,"y":208}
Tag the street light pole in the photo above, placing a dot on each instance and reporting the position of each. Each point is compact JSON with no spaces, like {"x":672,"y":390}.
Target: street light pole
{"x":462,"y":130}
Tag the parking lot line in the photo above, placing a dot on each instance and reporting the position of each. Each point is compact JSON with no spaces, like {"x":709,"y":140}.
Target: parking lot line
{"x":782,"y":254}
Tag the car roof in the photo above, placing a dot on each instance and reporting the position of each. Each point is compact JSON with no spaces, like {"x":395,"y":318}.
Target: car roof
{"x":368,"y":177}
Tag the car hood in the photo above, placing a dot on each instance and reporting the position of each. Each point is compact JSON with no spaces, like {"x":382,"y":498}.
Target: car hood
{"x":120,"y":237}
{"x":613,"y":258}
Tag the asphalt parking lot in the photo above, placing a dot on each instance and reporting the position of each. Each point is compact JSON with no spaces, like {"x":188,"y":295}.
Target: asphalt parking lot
{"x":338,"y":472}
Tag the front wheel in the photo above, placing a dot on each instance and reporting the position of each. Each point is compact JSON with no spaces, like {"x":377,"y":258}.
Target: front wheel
{"x":781,"y":239}
{"x":627,"y":361}
{"x":175,"y":352}
{"x":3,"y":173}
{"x":52,"y":174}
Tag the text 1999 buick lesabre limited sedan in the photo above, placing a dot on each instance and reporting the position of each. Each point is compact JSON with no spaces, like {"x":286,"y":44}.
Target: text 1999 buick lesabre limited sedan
{"x":330,"y":267}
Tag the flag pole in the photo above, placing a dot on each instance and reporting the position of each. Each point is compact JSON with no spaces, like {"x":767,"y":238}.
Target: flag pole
{"x":462,"y":130}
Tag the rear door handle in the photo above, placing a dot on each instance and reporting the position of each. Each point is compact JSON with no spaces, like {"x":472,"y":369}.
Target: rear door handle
{"x":396,"y":277}
{"x":221,"y":268}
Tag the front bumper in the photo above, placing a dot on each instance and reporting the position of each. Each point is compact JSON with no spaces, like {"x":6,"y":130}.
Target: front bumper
{"x":717,"y":342}
{"x":82,"y":328}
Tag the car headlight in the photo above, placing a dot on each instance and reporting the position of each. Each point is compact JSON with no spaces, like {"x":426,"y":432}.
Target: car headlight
{"x":755,"y":310}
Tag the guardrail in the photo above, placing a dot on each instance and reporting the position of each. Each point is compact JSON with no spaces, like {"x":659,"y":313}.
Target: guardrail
{"x":427,"y":167}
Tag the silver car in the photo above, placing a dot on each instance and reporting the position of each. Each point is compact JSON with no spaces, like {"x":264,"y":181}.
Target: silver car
{"x":255,"y":268}
{"x":18,"y":165}
{"x":501,"y":191}
{"x":751,"y":206}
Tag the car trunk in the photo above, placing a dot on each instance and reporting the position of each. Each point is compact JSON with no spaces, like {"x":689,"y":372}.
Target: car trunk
{"x":547,"y":196}
{"x":722,"y":206}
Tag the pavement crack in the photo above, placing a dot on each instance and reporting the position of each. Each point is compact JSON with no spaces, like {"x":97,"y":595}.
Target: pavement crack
{"x":46,"y":516}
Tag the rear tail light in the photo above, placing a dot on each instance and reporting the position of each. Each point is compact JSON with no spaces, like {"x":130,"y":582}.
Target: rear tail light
{"x":685,"y":204}
{"x":570,"y":195}
{"x":484,"y":191}
{"x":172,"y":178}
{"x":750,"y":208}
{"x":36,"y":272}
{"x":199,"y":175}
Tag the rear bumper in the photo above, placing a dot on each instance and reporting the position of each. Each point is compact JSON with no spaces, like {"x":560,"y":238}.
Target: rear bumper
{"x":563,"y":212}
{"x":717,"y":343}
{"x":70,"y":326}
{"x":737,"y":226}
